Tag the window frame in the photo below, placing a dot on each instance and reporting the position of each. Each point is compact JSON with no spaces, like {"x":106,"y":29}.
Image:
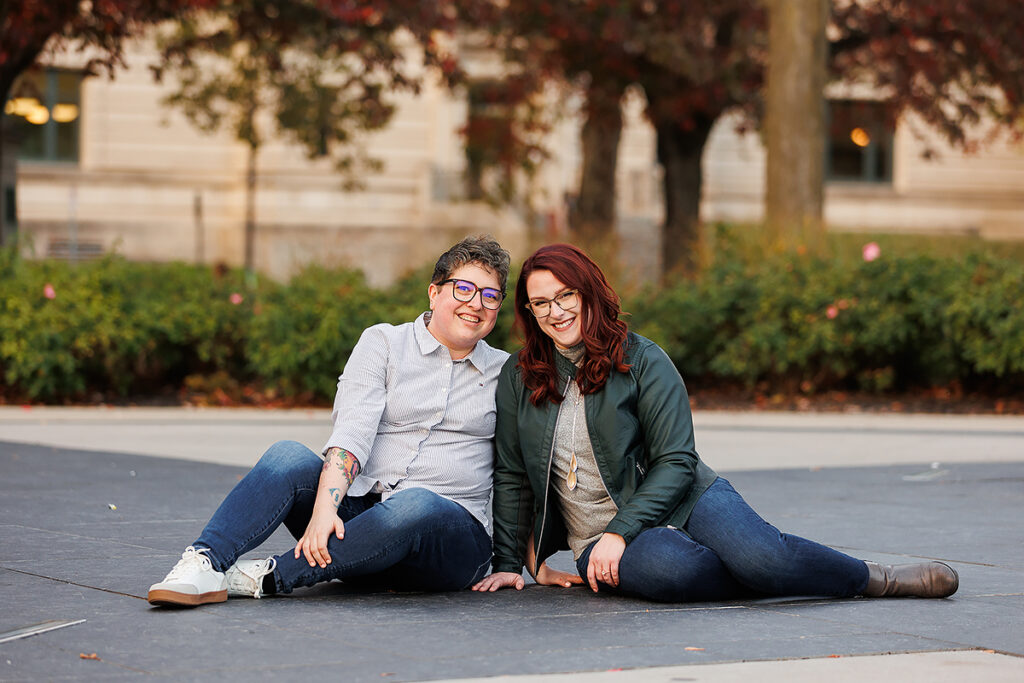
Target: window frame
{"x":869,"y":162}
{"x":50,"y":132}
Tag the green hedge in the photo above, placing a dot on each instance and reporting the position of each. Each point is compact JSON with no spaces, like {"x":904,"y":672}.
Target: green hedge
{"x":785,"y":323}
{"x":808,"y":323}
{"x":113,"y":327}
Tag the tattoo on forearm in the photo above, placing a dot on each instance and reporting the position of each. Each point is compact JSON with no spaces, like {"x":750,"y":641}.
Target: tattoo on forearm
{"x":347,"y":463}
{"x":335,"y":496}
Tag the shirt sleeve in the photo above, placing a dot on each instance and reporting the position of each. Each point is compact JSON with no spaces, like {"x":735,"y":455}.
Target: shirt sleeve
{"x":362,"y":394}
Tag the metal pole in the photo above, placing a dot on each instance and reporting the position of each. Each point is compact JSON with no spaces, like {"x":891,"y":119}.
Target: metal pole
{"x":73,"y":223}
{"x":197,"y":215}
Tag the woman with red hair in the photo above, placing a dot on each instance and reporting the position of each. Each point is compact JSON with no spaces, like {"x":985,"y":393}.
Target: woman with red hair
{"x":595,"y":452}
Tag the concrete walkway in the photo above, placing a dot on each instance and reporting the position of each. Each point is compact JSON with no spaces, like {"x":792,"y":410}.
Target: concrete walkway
{"x":94,"y":510}
{"x":730,"y":441}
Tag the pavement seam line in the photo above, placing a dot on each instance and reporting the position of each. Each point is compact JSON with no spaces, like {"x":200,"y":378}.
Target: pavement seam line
{"x":73,"y":583}
{"x":88,"y":538}
{"x":854,"y":549}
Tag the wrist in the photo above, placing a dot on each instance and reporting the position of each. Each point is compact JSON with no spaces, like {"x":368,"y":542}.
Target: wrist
{"x":328,"y":500}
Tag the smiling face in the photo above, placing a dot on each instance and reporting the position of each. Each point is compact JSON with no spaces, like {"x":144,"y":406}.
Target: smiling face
{"x":564,"y":327}
{"x":459,"y":325}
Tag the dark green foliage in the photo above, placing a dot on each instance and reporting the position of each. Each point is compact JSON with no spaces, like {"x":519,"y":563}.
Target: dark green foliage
{"x":787,"y":322}
{"x":305,"y":331}
{"x":811,"y":323}
{"x":115,"y":327}
{"x":985,"y":319}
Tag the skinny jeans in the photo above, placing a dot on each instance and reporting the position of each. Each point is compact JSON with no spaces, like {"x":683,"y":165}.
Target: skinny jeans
{"x":727,"y":552}
{"x":414,"y":540}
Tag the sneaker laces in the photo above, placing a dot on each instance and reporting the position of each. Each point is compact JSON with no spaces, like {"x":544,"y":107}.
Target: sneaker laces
{"x":192,"y":559}
{"x":251,"y":581}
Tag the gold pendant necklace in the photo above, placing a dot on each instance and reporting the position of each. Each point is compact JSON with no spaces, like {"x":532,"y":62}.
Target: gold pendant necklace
{"x":570,"y":478}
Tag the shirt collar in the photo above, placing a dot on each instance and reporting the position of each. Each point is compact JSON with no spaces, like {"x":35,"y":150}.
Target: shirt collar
{"x":479,"y":356}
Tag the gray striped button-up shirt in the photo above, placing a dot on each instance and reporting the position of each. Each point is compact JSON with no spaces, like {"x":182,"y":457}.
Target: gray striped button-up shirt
{"x":417,"y":419}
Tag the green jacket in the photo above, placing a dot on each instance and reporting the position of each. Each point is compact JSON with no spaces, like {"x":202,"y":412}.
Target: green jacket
{"x":641,"y":430}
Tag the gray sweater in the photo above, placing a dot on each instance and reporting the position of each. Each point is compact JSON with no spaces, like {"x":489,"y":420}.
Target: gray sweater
{"x":587,"y":508}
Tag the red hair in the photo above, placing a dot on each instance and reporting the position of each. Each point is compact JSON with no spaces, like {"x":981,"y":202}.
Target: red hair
{"x":604,"y":335}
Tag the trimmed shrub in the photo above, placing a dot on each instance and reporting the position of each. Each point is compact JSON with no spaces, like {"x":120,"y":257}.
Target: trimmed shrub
{"x":781,"y":323}
{"x":807,"y":323}
{"x":111,"y":326}
{"x":303,"y":332}
{"x":985,"y":318}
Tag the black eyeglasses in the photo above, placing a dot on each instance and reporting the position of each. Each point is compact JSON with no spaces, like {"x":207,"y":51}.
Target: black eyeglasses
{"x":568,"y":300}
{"x":464,"y":290}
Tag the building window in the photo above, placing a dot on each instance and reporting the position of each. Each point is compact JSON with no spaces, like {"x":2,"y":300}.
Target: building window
{"x":44,"y":112}
{"x":859,"y":145}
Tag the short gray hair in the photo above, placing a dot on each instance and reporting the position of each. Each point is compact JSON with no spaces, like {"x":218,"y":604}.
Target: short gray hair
{"x":482,"y":249}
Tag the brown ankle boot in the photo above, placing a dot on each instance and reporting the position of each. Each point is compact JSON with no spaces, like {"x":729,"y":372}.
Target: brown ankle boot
{"x":923,"y":580}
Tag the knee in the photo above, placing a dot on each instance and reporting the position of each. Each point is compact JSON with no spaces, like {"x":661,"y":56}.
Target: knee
{"x":286,"y":457}
{"x":412,"y":508}
{"x":674,"y":582}
{"x":664,"y":565}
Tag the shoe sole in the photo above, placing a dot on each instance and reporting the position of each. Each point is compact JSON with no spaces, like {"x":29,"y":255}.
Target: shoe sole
{"x":162,"y":597}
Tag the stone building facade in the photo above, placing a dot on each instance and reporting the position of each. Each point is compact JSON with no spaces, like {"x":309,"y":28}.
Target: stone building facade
{"x":113,"y":169}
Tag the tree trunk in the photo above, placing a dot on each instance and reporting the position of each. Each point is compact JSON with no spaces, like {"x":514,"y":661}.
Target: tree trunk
{"x":795,"y":120}
{"x":8,"y":186}
{"x":680,"y":150}
{"x":592,"y":218}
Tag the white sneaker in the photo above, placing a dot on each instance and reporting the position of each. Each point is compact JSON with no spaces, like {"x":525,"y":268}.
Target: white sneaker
{"x":193,"y":581}
{"x":245,"y":577}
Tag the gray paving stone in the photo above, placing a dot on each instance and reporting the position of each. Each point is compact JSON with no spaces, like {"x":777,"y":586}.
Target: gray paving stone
{"x":64,"y":554}
{"x":968,"y":622}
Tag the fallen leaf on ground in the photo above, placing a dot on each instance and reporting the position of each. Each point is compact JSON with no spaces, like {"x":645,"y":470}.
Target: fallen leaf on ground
{"x":695,"y":649}
{"x":92,"y":655}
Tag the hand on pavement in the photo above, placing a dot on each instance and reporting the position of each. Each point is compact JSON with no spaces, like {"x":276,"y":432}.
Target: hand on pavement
{"x":500,"y":580}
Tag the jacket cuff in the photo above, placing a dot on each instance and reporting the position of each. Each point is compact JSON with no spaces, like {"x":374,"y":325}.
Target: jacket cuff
{"x":628,"y":530}
{"x":506,"y":566}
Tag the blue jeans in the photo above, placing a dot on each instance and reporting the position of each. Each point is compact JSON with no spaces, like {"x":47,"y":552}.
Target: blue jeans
{"x":414,"y":540}
{"x":728,"y":552}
